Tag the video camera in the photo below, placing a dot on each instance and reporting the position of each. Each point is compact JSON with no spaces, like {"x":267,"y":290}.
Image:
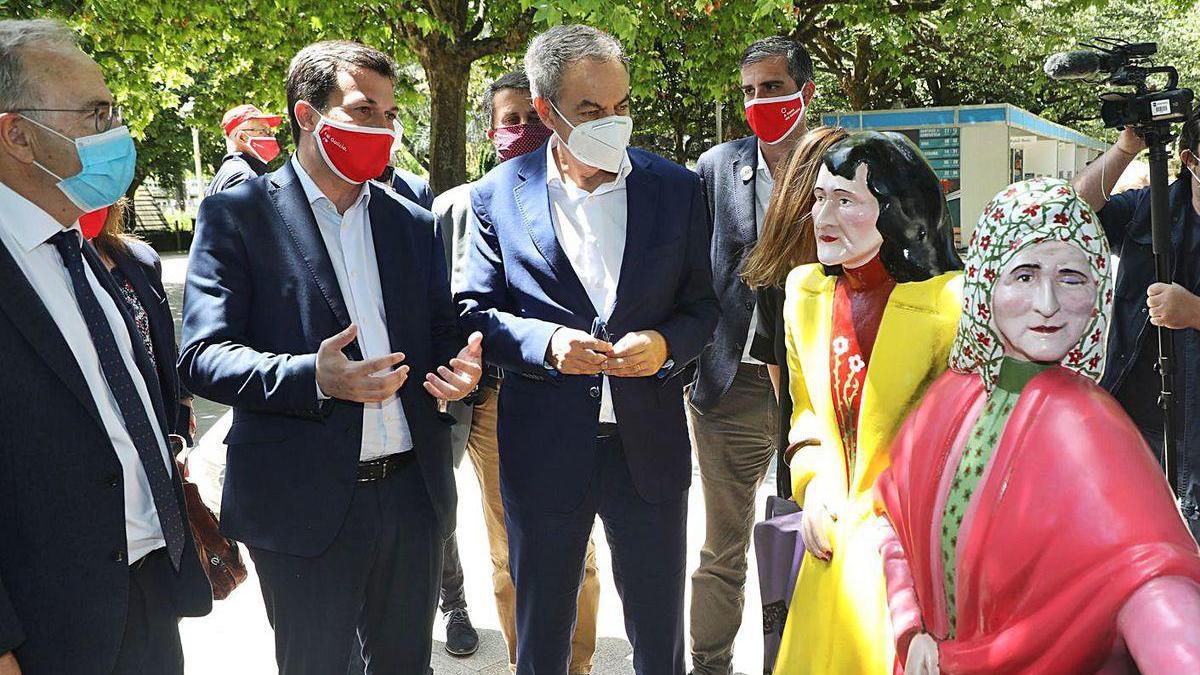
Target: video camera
{"x":1125,"y":64}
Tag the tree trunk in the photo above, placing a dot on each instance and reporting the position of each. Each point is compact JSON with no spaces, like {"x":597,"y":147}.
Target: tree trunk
{"x":448,"y":79}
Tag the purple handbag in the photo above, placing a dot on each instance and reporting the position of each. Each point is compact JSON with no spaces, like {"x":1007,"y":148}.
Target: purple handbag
{"x":779,"y":549}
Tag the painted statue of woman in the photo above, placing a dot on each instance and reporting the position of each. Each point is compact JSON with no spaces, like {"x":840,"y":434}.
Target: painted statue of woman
{"x":867,"y":330}
{"x":1032,"y":530}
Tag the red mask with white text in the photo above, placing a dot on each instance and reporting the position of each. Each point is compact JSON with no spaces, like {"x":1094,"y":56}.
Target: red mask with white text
{"x":356,"y":154}
{"x":92,"y":222}
{"x":265,"y":148}
{"x":774,"y":119}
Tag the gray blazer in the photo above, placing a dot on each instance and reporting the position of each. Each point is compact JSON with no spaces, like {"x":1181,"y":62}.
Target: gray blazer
{"x":729,"y":188}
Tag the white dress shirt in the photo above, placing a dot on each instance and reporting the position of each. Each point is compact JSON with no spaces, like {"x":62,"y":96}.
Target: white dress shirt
{"x":590,"y":227}
{"x":352,"y":251}
{"x":25,"y":230}
{"x":764,"y":183}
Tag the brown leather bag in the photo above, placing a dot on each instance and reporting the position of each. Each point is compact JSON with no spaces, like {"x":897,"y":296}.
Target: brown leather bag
{"x":219,"y":555}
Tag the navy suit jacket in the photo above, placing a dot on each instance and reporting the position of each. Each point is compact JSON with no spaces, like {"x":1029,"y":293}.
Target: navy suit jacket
{"x":261,"y":295}
{"x":520,"y":287}
{"x":64,"y":571}
{"x":413,"y":188}
{"x":731,"y":201}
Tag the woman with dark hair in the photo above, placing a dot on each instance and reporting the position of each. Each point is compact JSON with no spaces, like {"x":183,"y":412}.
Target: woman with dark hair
{"x":786,"y":243}
{"x":867,"y":330}
{"x":138,"y":272}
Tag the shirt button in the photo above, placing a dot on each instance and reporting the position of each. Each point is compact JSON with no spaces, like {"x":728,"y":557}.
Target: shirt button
{"x":118,"y":556}
{"x":594,"y":392}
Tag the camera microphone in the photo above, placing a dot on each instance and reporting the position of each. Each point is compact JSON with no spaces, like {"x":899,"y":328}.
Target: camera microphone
{"x":1081,"y":65}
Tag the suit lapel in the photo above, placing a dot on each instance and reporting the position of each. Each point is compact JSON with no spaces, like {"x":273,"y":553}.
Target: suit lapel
{"x":745,"y":170}
{"x":292,"y":205}
{"x":388,"y":234}
{"x":533,"y":200}
{"x":641,"y":195}
{"x":30,"y":316}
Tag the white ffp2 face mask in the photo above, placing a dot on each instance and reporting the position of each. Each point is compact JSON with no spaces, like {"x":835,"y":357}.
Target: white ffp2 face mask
{"x":600,"y":143}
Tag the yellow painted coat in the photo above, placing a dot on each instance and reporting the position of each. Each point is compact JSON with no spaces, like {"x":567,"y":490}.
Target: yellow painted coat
{"x":838,"y":622}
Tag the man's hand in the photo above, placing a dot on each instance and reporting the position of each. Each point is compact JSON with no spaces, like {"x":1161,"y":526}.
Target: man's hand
{"x":370,"y":381}
{"x":574,"y":352}
{"x":1129,"y":142}
{"x":922,"y":656}
{"x":8,"y":664}
{"x":457,"y":381}
{"x":1173,"y":306}
{"x":638,"y":354}
{"x":817,"y":521}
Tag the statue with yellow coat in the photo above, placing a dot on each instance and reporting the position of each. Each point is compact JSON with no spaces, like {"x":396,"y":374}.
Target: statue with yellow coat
{"x":868,"y":329}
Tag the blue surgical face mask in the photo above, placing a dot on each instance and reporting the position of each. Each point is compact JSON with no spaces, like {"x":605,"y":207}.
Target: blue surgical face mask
{"x":107,"y":162}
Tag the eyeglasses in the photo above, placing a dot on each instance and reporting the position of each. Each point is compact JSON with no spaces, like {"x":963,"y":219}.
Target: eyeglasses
{"x":105,"y":114}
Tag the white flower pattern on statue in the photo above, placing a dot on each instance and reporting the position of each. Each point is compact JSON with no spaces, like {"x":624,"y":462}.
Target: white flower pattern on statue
{"x":841,"y":345}
{"x":856,"y":363}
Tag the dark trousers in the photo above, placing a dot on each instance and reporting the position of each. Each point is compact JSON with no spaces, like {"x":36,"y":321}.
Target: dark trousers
{"x":453,"y":592}
{"x":150,"y":643}
{"x":546,"y":557}
{"x":1154,"y":438}
{"x":378,"y":578}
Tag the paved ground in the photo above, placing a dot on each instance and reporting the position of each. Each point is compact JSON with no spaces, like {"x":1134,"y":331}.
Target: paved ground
{"x":236,"y":638}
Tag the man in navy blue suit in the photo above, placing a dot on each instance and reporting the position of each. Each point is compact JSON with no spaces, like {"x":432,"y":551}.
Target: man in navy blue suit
{"x":312,"y":294}
{"x":589,"y":277}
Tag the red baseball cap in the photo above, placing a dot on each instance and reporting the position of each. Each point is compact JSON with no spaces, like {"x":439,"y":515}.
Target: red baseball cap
{"x":244,"y":113}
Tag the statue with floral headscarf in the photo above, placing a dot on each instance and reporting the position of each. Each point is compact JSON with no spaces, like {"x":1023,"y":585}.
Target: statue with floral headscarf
{"x":1029,"y":528}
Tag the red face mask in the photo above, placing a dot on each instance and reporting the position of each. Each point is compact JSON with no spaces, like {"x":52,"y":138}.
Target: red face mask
{"x":356,"y":154}
{"x":774,"y":119}
{"x":518,"y":139}
{"x":92,"y":222}
{"x":265,"y":148}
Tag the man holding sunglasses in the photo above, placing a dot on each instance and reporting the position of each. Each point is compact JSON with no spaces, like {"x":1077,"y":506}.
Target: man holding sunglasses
{"x":97,"y":564}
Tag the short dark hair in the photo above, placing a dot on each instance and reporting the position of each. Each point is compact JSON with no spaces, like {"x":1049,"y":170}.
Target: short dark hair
{"x":799,"y":63}
{"x":918,"y":234}
{"x":517,"y":79}
{"x":312,"y":76}
{"x":1189,"y":137}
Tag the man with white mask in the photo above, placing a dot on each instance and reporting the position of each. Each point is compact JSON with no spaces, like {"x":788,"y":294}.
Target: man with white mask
{"x":588,"y":275}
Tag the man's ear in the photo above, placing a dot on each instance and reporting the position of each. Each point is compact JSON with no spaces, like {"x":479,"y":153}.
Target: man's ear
{"x":1188,"y":158}
{"x":15,"y":140}
{"x":306,"y":115}
{"x":544,"y":111}
{"x":809,"y":92}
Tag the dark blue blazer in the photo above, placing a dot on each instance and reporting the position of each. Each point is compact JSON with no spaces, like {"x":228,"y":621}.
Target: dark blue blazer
{"x":64,"y":572}
{"x":520,"y":287}
{"x":413,"y":188}
{"x":141,"y":265}
{"x":261,"y":295}
{"x":731,"y":198}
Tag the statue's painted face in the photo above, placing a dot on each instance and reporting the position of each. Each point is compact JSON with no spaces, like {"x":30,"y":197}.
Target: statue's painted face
{"x":844,"y":216}
{"x":1043,"y":301}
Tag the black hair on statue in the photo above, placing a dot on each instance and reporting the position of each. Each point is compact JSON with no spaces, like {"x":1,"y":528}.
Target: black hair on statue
{"x":918,"y":234}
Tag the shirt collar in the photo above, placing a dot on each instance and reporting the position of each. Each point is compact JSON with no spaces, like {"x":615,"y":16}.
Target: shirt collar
{"x":763,"y":167}
{"x":553,"y":176}
{"x":28,"y":223}
{"x":313,"y":193}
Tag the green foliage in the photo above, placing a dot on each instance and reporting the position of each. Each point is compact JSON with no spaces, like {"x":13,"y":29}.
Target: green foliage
{"x":160,"y":54}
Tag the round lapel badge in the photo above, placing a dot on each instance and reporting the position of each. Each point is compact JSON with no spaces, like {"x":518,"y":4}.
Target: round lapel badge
{"x":747,"y":173}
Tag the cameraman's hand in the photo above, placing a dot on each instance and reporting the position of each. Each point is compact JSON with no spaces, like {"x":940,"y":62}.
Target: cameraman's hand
{"x":1172,"y":306}
{"x":1129,"y":142}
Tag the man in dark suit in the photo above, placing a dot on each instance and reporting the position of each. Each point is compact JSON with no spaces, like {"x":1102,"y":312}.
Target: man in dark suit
{"x":732,"y":408}
{"x":97,"y":564}
{"x":251,"y":145}
{"x":589,"y":277}
{"x":306,"y":289}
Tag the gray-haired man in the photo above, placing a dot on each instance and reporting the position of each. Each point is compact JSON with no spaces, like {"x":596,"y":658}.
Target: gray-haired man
{"x":589,"y":276}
